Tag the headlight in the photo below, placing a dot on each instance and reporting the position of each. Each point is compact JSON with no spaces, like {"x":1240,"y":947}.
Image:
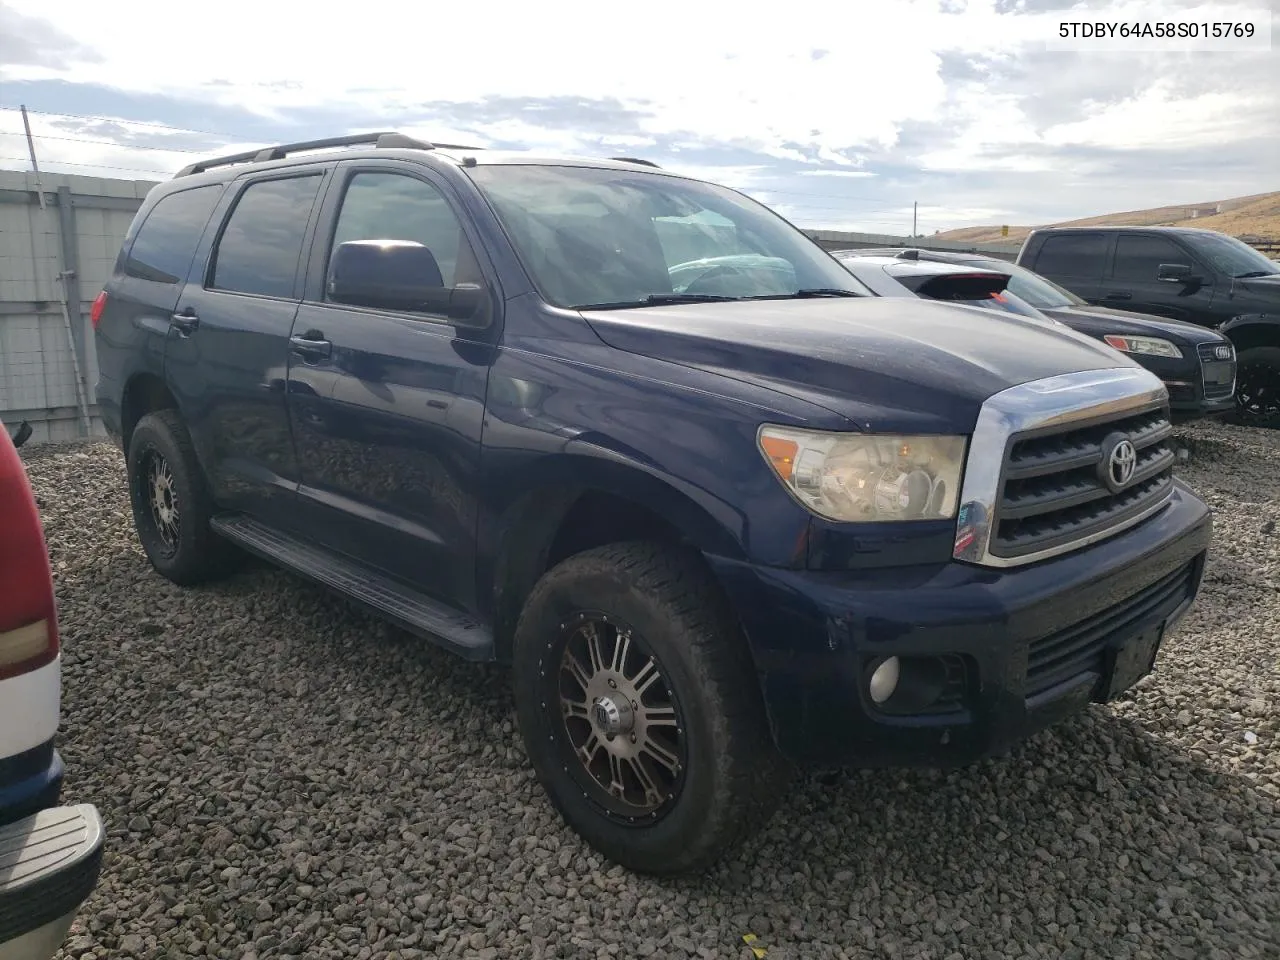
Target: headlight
{"x":1152,"y":346}
{"x":851,"y":477}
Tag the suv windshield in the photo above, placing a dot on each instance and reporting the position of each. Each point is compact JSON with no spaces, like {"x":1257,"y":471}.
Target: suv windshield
{"x":1233,"y":257}
{"x":593,"y":237}
{"x":1035,"y":289}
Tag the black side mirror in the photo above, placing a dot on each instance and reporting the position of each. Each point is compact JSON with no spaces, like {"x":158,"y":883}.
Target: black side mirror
{"x":402,"y":275}
{"x":1174,"y":273}
{"x":22,"y":434}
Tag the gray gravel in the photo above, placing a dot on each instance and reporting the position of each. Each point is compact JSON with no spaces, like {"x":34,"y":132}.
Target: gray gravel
{"x":285,"y":777}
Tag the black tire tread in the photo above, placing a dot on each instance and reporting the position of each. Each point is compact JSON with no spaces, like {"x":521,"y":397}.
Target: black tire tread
{"x":755,"y":776}
{"x":204,"y":556}
{"x":1242,"y":417}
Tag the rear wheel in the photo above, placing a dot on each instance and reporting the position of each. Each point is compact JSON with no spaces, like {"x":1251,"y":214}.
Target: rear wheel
{"x":1258,"y":387}
{"x":171,"y":503}
{"x":640,"y":710}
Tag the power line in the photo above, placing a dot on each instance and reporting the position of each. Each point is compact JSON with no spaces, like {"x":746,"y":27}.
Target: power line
{"x":819,"y":207}
{"x":105,"y":143}
{"x":134,"y":123}
{"x":95,"y":166}
{"x":240,"y":138}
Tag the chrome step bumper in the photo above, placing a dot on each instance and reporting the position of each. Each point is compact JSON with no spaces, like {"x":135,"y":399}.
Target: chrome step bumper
{"x":49,"y":864}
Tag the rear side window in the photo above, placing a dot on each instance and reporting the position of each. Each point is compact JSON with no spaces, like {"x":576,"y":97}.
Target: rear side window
{"x":259,"y":249}
{"x":167,"y":239}
{"x":1073,"y":255}
{"x":1138,"y":257}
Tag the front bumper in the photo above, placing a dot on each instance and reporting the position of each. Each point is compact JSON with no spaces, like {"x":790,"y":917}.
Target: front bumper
{"x":1024,"y":647}
{"x":1188,"y":402}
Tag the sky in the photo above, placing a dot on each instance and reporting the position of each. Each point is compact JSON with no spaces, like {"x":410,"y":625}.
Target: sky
{"x":838,"y":114}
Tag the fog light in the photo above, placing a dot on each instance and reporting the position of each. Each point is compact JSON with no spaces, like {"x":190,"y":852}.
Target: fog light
{"x":884,"y":680}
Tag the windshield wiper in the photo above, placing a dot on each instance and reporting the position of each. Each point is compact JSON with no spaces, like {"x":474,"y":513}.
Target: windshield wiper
{"x":808,"y":293}
{"x":1253,"y":273}
{"x":659,"y":300}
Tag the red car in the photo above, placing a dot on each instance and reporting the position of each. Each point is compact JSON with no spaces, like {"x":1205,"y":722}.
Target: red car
{"x":50,"y":855}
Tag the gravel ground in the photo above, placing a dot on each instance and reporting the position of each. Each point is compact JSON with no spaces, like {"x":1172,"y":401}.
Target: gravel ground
{"x":282,"y":776}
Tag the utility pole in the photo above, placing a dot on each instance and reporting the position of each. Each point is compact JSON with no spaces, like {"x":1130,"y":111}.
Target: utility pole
{"x":31,"y":149}
{"x":914,"y":206}
{"x":67,"y":282}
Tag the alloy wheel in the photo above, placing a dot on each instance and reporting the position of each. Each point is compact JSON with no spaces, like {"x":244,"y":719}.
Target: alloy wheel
{"x":622,"y":724}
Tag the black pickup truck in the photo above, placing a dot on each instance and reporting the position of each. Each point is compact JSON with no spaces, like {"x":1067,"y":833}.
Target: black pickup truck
{"x":722,"y":510}
{"x":1200,"y":276}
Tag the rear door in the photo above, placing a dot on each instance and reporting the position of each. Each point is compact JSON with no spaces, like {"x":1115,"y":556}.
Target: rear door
{"x":387,"y":406}
{"x":153,"y":264}
{"x":1132,"y":284}
{"x":1076,"y":260}
{"x":228,"y":352}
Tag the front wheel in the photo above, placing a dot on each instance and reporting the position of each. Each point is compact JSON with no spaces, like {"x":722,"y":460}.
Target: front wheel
{"x":1258,"y":387}
{"x":640,"y":710}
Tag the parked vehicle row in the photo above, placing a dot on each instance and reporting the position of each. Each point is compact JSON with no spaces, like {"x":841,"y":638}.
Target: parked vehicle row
{"x":1196,"y":364}
{"x":1197,"y":276}
{"x":723,"y":509}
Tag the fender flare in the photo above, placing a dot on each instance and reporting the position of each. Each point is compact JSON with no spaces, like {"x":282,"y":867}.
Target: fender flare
{"x":1254,"y":329}
{"x":524,"y":531}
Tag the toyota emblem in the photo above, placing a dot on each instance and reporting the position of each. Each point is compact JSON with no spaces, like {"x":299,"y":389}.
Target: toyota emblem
{"x":1121,"y":463}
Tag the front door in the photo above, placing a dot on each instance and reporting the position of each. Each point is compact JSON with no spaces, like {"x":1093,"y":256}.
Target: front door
{"x":228,"y":350}
{"x":1075,"y":260}
{"x":387,"y":406}
{"x":1132,"y":283}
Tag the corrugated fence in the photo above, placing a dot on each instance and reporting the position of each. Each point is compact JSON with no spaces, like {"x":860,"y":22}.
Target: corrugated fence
{"x":59,"y":236}
{"x":55,"y":256}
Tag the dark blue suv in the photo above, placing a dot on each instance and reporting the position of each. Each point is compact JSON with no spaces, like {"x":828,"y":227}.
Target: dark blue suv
{"x":725,"y":512}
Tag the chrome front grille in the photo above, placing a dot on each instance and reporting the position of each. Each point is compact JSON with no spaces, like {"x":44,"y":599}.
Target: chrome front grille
{"x":1062,"y":486}
{"x":1060,"y":463}
{"x":1217,"y":374}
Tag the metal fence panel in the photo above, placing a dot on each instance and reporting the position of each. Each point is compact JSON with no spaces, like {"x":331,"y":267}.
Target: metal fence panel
{"x":59,"y":236}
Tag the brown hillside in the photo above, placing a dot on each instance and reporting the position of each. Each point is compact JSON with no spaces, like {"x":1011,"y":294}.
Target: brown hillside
{"x":1256,"y":215}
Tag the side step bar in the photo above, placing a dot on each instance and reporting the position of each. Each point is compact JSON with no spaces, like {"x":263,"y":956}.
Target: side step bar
{"x":49,"y":864}
{"x":407,"y":608}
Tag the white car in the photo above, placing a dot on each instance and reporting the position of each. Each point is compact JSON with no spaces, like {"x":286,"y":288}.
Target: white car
{"x":50,"y":855}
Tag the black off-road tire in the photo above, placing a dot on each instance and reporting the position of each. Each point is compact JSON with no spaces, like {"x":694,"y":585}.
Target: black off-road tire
{"x":734,"y":777}
{"x":1265,"y":409}
{"x":196,"y":554}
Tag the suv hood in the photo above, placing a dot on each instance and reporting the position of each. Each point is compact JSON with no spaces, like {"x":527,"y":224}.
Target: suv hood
{"x":883,"y":363}
{"x":1099,"y":321}
{"x":1268,"y":286}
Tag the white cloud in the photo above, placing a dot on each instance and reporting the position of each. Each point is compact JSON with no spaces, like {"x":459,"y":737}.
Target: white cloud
{"x":832,"y":90}
{"x":703,"y":68}
{"x":1158,"y":118}
{"x":837,"y":173}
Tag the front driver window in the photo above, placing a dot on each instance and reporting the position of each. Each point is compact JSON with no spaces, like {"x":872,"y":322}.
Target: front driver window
{"x":392,"y":206}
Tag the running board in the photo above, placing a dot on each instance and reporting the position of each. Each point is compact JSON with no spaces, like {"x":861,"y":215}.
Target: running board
{"x":402,"y":605}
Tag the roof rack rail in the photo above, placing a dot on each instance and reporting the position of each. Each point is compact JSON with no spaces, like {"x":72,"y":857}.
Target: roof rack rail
{"x":645,"y":163}
{"x":384,"y":140}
